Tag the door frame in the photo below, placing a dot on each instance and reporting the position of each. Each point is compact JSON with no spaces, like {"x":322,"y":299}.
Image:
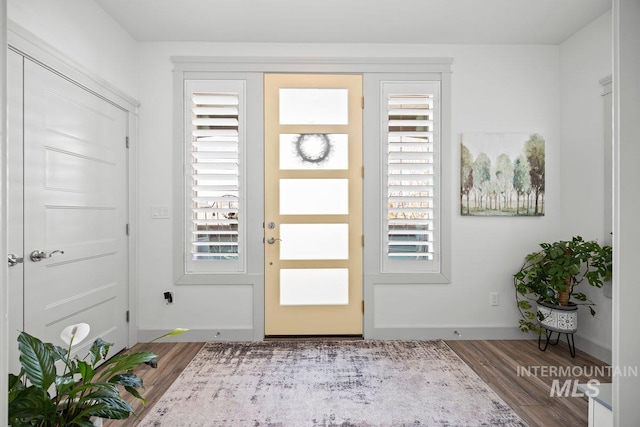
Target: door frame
{"x":4,"y":288}
{"x":39,"y":51}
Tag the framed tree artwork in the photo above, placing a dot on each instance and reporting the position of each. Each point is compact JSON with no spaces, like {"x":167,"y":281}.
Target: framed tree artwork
{"x":502,"y":174}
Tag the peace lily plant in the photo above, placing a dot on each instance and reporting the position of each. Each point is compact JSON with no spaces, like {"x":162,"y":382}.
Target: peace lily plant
{"x":42,"y":396}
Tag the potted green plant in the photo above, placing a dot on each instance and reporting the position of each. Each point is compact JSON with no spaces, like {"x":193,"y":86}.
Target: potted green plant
{"x":55,"y":389}
{"x":547,"y":282}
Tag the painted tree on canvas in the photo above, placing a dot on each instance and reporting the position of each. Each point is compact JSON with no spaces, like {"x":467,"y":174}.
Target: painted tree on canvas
{"x":521,"y":181}
{"x":502,"y":174}
{"x":504,"y":179}
{"x":482,"y":179}
{"x":466,"y":177}
{"x":534,"y":150}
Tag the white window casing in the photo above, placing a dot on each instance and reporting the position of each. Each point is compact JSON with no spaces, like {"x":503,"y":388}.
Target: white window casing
{"x":213,"y":185}
{"x":411,"y":146}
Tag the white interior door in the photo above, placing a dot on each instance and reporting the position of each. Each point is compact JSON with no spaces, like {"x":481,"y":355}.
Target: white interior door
{"x":15,"y":203}
{"x":75,"y":210}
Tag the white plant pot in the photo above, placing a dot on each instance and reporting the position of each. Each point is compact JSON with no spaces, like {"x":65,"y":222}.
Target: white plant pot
{"x":559,"y":318}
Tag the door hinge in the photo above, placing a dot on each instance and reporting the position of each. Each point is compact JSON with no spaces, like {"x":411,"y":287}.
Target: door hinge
{"x":126,"y":141}
{"x":363,"y":306}
{"x":362,"y":102}
{"x":127,"y":316}
{"x":126,"y":229}
{"x":362,"y":240}
{"x":362,"y":171}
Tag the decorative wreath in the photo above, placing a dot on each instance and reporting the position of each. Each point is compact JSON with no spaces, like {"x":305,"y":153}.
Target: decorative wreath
{"x":311,"y":154}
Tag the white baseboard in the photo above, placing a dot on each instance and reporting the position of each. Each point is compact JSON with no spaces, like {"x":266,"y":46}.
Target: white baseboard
{"x":593,"y":348}
{"x":198,"y":335}
{"x":463,"y":332}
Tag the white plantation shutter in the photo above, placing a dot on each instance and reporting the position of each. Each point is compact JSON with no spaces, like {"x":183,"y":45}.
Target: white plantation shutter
{"x":411,"y":150}
{"x":213,"y":176}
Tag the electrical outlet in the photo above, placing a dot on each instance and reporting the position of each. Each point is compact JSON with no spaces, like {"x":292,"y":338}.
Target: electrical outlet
{"x":493,"y":298}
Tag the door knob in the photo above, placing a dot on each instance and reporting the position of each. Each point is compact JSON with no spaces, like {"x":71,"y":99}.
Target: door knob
{"x":13,"y":259}
{"x":37,"y":255}
{"x":272,"y":240}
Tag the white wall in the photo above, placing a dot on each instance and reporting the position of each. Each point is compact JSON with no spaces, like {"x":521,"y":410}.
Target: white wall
{"x":4,"y":291}
{"x":626,"y":292}
{"x":495,"y":89}
{"x":586,"y":58}
{"x":83,"y":32}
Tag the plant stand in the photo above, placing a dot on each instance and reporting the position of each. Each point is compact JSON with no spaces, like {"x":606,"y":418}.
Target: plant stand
{"x":561,"y":319}
{"x":549,"y":333}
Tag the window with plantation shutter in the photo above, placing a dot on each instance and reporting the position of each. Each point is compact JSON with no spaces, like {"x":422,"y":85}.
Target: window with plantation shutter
{"x":411,"y":141}
{"x":213,"y":176}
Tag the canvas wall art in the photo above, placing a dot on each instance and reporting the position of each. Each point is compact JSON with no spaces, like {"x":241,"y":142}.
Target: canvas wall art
{"x":502,"y":174}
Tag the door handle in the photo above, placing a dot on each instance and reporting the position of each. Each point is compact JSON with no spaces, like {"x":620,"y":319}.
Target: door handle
{"x":13,"y":259}
{"x":272,"y":240}
{"x":37,"y":255}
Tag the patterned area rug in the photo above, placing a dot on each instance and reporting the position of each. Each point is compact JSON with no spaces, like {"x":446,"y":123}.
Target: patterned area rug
{"x":329,"y":383}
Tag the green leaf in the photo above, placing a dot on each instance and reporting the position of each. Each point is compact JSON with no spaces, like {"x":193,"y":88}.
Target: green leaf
{"x":84,"y":416}
{"x":579,"y":296}
{"x":37,"y":360}
{"x":64,"y":383}
{"x":15,"y":382}
{"x":175,"y":332}
{"x":114,"y":409}
{"x":31,"y":403}
{"x":107,"y":389}
{"x":59,"y":353}
{"x":99,"y":350}
{"x":86,"y":371}
{"x":130,"y":380}
{"x":525,"y":305}
{"x":126,"y":362}
{"x":107,"y":403}
{"x":136,"y":394}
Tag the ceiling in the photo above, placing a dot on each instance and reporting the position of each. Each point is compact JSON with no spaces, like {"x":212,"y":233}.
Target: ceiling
{"x":356,"y":21}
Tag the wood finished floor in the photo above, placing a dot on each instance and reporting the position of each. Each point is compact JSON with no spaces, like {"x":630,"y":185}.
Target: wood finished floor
{"x":495,"y":361}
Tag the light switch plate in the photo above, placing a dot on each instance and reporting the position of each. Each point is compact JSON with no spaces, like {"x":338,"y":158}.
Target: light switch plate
{"x":160,"y":212}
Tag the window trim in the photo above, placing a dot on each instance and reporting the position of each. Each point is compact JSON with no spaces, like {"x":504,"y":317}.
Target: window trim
{"x":375,"y":165}
{"x":237,"y":266}
{"x":387,"y":264}
{"x":253,"y":263}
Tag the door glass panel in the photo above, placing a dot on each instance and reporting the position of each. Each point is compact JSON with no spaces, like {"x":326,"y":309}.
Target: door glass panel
{"x":314,"y":241}
{"x":314,"y":286}
{"x":314,"y":196}
{"x":314,"y":106}
{"x":314,"y":151}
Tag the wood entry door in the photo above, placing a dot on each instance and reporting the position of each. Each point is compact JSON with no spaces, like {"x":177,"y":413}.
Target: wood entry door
{"x":313,"y":204}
